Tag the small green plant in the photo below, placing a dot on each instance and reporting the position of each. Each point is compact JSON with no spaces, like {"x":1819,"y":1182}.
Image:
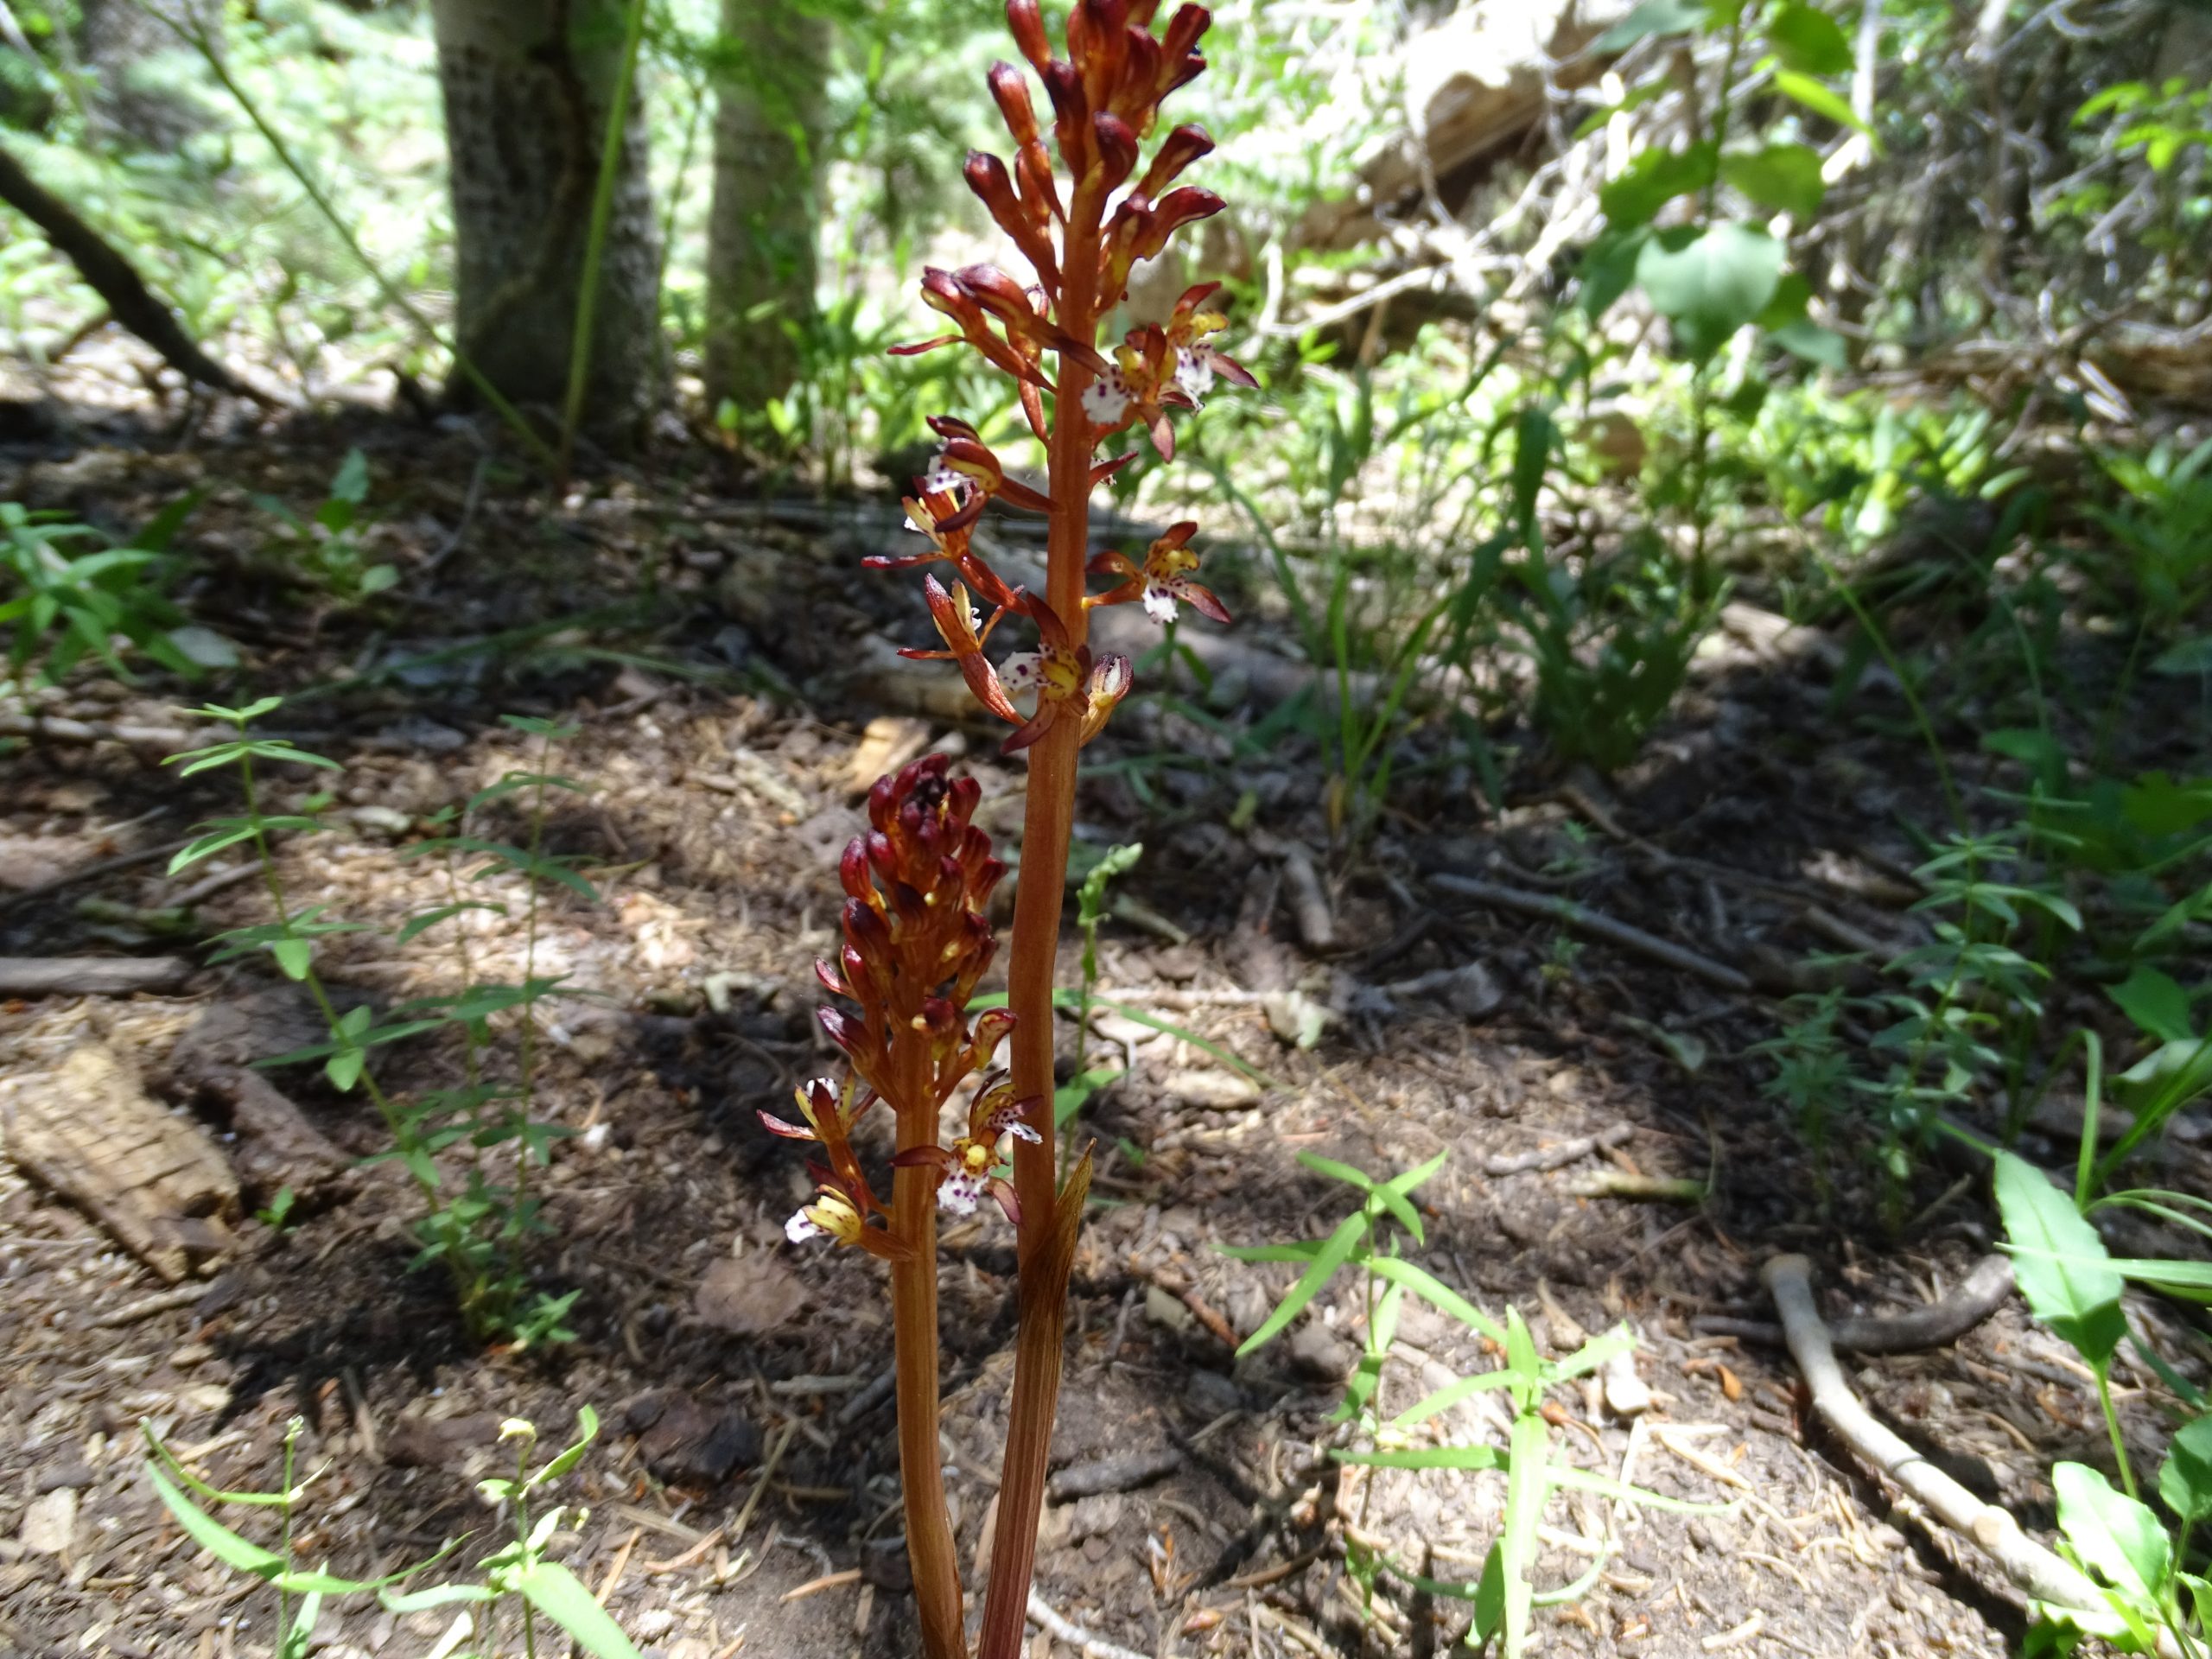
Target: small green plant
{"x":1069,"y":1098}
{"x":518,"y":1574}
{"x":479,"y":1232}
{"x":1369,"y":1242}
{"x":1612,"y":646}
{"x":326,"y":546}
{"x":1812,"y":1077}
{"x":63,"y":606}
{"x":2074,"y":1284}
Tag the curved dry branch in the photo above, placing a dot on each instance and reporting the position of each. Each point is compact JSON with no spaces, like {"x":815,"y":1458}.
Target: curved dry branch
{"x":2035,"y":1571}
{"x":113,"y":277}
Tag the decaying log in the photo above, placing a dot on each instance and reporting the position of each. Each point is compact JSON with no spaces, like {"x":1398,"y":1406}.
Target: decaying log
{"x":149,"y":1176}
{"x":89,"y":975}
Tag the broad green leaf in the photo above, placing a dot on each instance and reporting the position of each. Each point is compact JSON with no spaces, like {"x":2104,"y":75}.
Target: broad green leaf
{"x":344,"y":1068}
{"x":211,"y":1535}
{"x":1652,"y":17}
{"x":293,"y":955}
{"x":1785,"y":177}
{"x":2155,"y":1002}
{"x":1808,"y":41}
{"x":350,"y":482}
{"x":425,"y":919}
{"x":1823,"y":347}
{"x":1331,"y":1256}
{"x":2063,"y":1269}
{"x":2191,"y":1278}
{"x":1448,"y":1397}
{"x":1709,"y":283}
{"x":572,"y":1454}
{"x":1654,"y":179}
{"x":2112,"y":1533}
{"x":2192,"y":656}
{"x":560,"y":1595}
{"x":2185,"y":1478}
{"x":443,"y":1595}
{"x":1436,"y":1293}
{"x":1819,"y":99}
{"x":1075,"y":1094}
{"x":1608,"y":270}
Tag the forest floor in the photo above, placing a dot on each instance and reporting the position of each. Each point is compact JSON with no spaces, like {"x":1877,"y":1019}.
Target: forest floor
{"x":717,"y":659}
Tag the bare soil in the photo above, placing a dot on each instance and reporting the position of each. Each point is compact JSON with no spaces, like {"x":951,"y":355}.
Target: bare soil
{"x":744,"y":1497}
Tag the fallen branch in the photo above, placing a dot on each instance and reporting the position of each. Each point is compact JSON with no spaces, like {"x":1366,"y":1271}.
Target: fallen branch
{"x":1090,"y":1646}
{"x":89,"y":975}
{"x":113,"y":277}
{"x":1642,"y":1189}
{"x":1973,"y":1299}
{"x":1560,"y":1154}
{"x":121,"y":861}
{"x":1583,"y":919}
{"x":1121,"y":1474}
{"x":2033,"y":1570}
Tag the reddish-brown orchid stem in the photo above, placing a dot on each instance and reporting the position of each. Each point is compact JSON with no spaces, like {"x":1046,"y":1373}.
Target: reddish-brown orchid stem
{"x":1047,"y":823}
{"x":914,"y":1336}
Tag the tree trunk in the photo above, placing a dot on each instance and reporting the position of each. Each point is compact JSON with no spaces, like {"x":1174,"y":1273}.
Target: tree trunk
{"x":768,"y":138}
{"x":527,"y":84}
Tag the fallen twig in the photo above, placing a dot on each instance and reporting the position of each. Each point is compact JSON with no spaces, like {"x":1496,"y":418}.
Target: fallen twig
{"x":1090,"y":1646}
{"x":816,"y":1587}
{"x":1657,"y":1189}
{"x":2035,"y":1571}
{"x":146,"y":1306}
{"x":92,"y":872}
{"x":1120,"y":1474}
{"x":89,"y":975}
{"x":1583,"y":919}
{"x":1558,"y":1154}
{"x":1973,"y":1299}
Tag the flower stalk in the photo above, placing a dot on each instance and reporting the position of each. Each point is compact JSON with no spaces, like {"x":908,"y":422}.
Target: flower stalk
{"x":915,"y":938}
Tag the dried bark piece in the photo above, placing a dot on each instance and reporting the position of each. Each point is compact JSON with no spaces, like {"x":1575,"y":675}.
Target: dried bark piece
{"x":89,"y":975}
{"x":277,"y":1145}
{"x":151,"y":1177}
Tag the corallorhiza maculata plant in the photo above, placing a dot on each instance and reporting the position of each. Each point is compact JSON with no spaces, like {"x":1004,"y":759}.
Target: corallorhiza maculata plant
{"x":916,"y":936}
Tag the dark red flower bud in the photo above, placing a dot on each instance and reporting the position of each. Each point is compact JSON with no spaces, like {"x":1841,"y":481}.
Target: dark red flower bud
{"x":840,"y":1030}
{"x":997,"y":292}
{"x":1011,"y":91}
{"x":1177,"y":151}
{"x":1117,"y":149}
{"x":852,"y":870}
{"x":1182,"y":206}
{"x":1026,"y":24}
{"x":1185,"y":29}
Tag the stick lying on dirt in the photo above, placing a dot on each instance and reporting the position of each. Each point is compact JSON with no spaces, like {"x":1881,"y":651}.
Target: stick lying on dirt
{"x":1600,"y":926}
{"x":1090,"y":1646}
{"x":1973,"y":1299}
{"x":2031,"y":1568}
{"x":113,"y":278}
{"x":1557,"y":1156}
{"x":89,"y":975}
